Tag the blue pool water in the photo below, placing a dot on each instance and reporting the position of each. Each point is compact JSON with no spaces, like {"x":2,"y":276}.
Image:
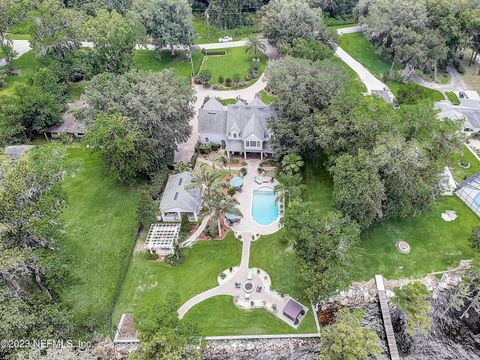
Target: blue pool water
{"x":264,"y":207}
{"x":476,"y":200}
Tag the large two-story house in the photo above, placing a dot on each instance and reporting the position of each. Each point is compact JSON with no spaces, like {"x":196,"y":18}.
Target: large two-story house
{"x":241,"y":128}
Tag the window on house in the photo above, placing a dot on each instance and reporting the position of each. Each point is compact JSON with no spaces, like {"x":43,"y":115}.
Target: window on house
{"x":207,"y":139}
{"x":258,"y":143}
{"x":234,"y":135}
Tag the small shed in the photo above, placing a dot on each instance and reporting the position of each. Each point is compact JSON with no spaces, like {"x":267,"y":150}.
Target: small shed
{"x":15,"y":152}
{"x":293,"y":310}
{"x":70,"y":126}
{"x":162,"y":237}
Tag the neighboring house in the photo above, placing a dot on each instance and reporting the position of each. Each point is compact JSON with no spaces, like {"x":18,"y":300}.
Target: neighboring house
{"x":177,"y":200}
{"x":468,"y":111}
{"x":241,"y":128}
{"x":15,"y":152}
{"x":70,"y":126}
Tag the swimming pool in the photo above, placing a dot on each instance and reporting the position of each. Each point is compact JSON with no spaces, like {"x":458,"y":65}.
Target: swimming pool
{"x":264,"y":206}
{"x":476,"y":200}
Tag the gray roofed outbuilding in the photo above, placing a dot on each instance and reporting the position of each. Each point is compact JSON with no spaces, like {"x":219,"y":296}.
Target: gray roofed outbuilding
{"x":15,"y":152}
{"x":176,"y":196}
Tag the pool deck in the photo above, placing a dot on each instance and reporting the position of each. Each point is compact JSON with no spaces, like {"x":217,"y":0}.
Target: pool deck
{"x":247,"y":224}
{"x":247,"y":230}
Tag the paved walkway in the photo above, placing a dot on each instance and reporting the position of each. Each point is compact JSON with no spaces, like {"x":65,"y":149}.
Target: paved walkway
{"x":370,"y":81}
{"x":232,"y":282}
{"x":456,"y":83}
{"x":349,"y":30}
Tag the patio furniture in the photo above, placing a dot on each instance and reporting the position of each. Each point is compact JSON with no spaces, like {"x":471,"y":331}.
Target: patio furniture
{"x":249,"y":275}
{"x":259,"y":289}
{"x":247,"y":296}
{"x":258,"y":180}
{"x":231,"y":217}
{"x":238,"y":285}
{"x":236,"y":182}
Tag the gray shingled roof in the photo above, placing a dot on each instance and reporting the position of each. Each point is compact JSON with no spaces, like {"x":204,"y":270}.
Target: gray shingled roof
{"x":470,"y":110}
{"x":15,"y":152}
{"x":176,"y":196}
{"x":70,"y":125}
{"x":254,"y":126}
{"x":213,"y":105}
{"x":257,"y":102}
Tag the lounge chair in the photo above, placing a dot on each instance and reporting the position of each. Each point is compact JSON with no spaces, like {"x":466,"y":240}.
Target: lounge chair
{"x":258,"y":180}
{"x":259,"y":289}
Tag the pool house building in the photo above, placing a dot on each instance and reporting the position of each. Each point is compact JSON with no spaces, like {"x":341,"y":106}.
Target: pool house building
{"x":241,"y":128}
{"x":178,"y":199}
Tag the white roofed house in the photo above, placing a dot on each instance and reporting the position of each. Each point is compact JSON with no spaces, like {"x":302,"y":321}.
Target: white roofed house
{"x":241,"y":128}
{"x":177,"y":199}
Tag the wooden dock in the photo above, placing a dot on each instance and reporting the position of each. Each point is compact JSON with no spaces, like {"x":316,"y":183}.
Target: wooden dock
{"x":387,"y":320}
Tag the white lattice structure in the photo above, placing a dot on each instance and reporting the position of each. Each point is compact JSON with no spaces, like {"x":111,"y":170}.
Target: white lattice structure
{"x":162,"y":237}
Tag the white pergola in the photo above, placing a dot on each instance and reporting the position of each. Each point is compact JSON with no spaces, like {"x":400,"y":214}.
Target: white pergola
{"x":162,"y":237}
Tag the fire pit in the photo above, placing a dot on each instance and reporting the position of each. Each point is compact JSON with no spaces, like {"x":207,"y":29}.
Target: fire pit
{"x":248,"y":287}
{"x":403,"y":247}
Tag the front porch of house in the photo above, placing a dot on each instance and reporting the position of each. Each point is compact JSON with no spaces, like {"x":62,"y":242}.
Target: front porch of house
{"x":176,"y":216}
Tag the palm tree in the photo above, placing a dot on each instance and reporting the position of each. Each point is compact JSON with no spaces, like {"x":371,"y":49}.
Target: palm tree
{"x":255,"y":45}
{"x":289,"y":185}
{"x":207,"y":179}
{"x":292,"y":163}
{"x":219,"y":204}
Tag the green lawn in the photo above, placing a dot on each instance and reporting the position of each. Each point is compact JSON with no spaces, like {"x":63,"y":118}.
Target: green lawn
{"x":421,"y":92}
{"x":146,"y":60}
{"x":237,"y":60}
{"x":226,"y":102}
{"x":25,"y":64}
{"x":100,"y":225}
{"x":453,"y":97}
{"x":460,"y":173}
{"x":268,"y":98}
{"x":357,"y":46}
{"x":75,"y":91}
{"x":219,"y":316}
{"x":436,"y":244}
{"x":148,"y":282}
{"x":209,"y":33}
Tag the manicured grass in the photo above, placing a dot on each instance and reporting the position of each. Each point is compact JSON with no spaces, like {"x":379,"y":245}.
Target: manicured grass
{"x":443,"y":77}
{"x":100,"y":225}
{"x":146,"y":60}
{"x":20,"y":36}
{"x":453,"y":97}
{"x":148,"y":282}
{"x":421,"y":92}
{"x":280,"y":262}
{"x":219,"y":316}
{"x":357,"y":46}
{"x":268,"y":98}
{"x":25,"y":64}
{"x":226,"y":102}
{"x":75,"y":91}
{"x":209,"y":33}
{"x":460,"y":173}
{"x":436,"y":244}
{"x":237,"y":60}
